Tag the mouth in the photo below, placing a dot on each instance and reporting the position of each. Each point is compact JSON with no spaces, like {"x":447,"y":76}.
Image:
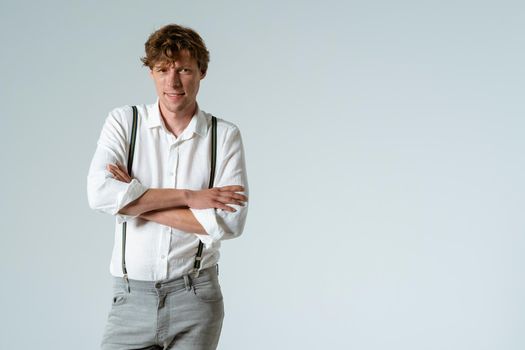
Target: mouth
{"x":174,"y":95}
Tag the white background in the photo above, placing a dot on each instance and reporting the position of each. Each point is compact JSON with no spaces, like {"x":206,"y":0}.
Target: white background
{"x":384,"y":144}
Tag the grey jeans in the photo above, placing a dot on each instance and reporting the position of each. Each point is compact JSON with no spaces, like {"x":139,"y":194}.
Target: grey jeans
{"x":185,"y":313}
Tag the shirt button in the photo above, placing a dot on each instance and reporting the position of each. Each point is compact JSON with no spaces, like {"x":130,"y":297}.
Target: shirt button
{"x":163,"y":257}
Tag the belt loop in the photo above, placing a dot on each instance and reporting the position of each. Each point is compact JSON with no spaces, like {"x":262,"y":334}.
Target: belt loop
{"x":187,"y":282}
{"x":126,"y":281}
{"x":217,"y":269}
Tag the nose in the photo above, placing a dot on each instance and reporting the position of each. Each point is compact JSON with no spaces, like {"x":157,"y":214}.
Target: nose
{"x":174,"y":80}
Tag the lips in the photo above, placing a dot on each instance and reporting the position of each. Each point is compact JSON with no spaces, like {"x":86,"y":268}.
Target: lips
{"x":174,"y":96}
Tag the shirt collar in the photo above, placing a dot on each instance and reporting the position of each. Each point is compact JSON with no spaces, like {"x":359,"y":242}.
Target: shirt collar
{"x":153,"y":118}
{"x":198,"y":123}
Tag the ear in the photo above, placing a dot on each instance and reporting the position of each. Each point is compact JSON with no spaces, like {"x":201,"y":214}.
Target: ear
{"x":151,"y":73}
{"x":203,"y":74}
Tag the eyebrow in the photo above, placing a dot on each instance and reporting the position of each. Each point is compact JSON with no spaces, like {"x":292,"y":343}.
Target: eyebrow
{"x":167,"y":65}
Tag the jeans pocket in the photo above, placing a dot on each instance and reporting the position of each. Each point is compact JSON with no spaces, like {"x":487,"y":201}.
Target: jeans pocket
{"x":208,"y":291}
{"x":118,"y":299}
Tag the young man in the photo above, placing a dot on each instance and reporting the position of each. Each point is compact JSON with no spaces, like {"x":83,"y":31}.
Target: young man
{"x":166,"y":289}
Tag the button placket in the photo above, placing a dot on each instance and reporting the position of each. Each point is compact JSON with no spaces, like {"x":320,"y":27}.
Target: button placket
{"x":173,"y":162}
{"x":175,"y":166}
{"x":170,"y":171}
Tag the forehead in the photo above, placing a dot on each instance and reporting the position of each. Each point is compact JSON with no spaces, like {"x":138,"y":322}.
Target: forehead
{"x":181,"y":58}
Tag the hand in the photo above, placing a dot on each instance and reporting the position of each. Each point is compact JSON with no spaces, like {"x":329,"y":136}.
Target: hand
{"x":217,"y":197}
{"x":119,"y":172}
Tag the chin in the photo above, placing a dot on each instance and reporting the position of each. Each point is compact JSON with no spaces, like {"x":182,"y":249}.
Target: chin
{"x":172,"y":106}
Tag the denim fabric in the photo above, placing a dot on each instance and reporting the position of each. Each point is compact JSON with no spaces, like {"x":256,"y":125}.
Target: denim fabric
{"x":185,"y":313}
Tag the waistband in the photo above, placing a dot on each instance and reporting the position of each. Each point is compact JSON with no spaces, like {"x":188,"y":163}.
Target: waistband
{"x":166,"y":286}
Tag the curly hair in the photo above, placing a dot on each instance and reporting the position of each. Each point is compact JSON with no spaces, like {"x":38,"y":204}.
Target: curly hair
{"x":166,"y":43}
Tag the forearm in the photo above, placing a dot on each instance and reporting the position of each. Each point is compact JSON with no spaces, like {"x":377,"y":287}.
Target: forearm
{"x":179,"y":218}
{"x":157,"y":199}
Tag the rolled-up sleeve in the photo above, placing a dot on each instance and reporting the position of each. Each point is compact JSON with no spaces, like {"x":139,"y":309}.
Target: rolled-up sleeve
{"x":231,"y":170}
{"x":106,"y":194}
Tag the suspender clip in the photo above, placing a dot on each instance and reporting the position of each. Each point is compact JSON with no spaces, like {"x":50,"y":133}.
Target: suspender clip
{"x":126,"y":280}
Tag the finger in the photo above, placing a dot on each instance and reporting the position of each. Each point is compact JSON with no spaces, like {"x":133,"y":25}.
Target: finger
{"x":122,"y":168}
{"x":229,"y":200}
{"x":113,"y":166}
{"x":219,"y":205}
{"x":240,"y":197}
{"x":116,"y":175}
{"x":116,"y":170}
{"x":241,"y":204}
{"x":126,"y":177}
{"x":111,"y":169}
{"x":232,"y":198}
{"x":233,"y":188}
{"x":122,"y":175}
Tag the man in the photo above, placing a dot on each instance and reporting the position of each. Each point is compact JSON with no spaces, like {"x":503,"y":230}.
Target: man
{"x":166,"y":292}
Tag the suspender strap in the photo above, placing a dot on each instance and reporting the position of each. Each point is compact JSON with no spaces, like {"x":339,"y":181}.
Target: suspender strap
{"x":198,"y":257}
{"x":213,"y":150}
{"x":130,"y":164}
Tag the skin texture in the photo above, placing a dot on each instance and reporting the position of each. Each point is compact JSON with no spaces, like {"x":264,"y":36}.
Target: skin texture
{"x":156,"y":198}
{"x":177,"y":84}
{"x":158,"y":204}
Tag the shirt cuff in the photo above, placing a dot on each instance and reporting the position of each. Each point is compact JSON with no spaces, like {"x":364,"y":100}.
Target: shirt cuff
{"x":135,"y":190}
{"x":208,"y":219}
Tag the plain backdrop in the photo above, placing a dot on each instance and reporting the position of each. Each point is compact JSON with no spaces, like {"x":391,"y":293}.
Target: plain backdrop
{"x":385,"y":153}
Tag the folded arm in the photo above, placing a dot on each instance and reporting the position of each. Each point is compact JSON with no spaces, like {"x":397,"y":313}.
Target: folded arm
{"x":163,"y":198}
{"x":179,"y":218}
{"x":171,"y":207}
{"x":206,"y":213}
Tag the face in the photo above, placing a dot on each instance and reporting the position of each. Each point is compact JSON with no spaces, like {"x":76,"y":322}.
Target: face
{"x":177,"y":84}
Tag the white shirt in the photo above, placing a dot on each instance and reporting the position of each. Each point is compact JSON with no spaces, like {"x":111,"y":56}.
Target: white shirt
{"x":161,"y":160}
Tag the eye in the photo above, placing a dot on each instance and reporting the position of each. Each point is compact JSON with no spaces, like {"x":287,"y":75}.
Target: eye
{"x":184,"y":70}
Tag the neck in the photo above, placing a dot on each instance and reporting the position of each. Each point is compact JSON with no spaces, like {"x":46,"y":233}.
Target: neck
{"x":177,"y":121}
